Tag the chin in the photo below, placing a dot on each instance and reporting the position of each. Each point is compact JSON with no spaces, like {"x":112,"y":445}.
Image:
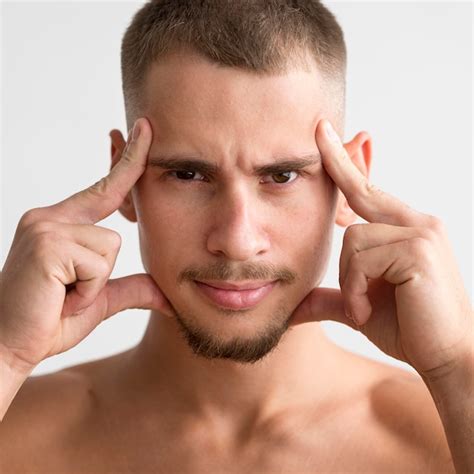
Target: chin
{"x":244,"y":336}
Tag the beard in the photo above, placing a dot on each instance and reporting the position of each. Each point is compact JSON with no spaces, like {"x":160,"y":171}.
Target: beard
{"x":238,"y":349}
{"x":248,"y":350}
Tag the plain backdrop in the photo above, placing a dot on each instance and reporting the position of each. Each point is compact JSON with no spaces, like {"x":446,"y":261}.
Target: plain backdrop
{"x":409,"y":85}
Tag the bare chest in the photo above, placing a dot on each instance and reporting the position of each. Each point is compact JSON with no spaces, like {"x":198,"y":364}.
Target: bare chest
{"x":306,"y":451}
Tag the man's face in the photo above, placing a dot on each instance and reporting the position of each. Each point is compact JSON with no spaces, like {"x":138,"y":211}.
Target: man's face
{"x":228,"y":223}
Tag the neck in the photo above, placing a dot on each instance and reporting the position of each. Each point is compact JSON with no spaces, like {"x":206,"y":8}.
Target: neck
{"x":301,"y":369}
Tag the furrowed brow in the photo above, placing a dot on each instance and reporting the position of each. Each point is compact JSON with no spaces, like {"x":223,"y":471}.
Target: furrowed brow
{"x":183,"y":163}
{"x":190,"y":163}
{"x":288,"y":164}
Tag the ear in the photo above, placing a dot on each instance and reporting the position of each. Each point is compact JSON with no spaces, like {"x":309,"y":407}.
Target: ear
{"x":360,"y":151}
{"x":127,"y":208}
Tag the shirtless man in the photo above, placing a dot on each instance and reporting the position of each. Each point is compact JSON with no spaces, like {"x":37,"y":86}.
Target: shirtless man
{"x":236,"y":179}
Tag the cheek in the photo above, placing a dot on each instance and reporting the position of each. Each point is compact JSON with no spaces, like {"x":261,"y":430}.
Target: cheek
{"x":162,"y":208}
{"x":308,"y":214}
{"x":167,"y":234}
{"x":169,"y":227}
{"x":308,"y":231}
{"x":173,"y":225}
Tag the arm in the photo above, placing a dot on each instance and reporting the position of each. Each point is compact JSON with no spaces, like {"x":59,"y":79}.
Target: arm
{"x":453,"y":394}
{"x":11,"y":379}
{"x":39,"y":315}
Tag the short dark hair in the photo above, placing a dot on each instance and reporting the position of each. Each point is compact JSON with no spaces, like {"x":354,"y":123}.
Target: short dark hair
{"x":263,"y":36}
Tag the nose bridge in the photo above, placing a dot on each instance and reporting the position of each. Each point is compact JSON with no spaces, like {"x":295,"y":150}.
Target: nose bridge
{"x":237,"y":231}
{"x":236,"y":201}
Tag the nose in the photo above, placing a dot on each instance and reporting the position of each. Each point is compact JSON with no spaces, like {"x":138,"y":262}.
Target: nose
{"x":237,"y":230}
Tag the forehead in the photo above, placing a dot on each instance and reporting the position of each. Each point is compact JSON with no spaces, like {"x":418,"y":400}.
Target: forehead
{"x":189,"y":99}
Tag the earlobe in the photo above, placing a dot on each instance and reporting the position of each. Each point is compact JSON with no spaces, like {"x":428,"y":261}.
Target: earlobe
{"x":127,"y":209}
{"x":360,"y":151}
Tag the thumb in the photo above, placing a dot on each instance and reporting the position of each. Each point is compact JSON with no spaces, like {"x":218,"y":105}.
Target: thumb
{"x":135,"y":291}
{"x":322,"y":304}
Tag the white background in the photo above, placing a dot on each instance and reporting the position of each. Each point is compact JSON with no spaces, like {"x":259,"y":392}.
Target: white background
{"x":409,"y":85}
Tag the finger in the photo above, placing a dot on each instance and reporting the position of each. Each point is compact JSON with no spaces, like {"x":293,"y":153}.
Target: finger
{"x":102,"y":241}
{"x":359,"y":237}
{"x":368,"y":201}
{"x":321,"y":304}
{"x":88,"y":272}
{"x":104,"y":197}
{"x":135,"y":291}
{"x":392,"y":262}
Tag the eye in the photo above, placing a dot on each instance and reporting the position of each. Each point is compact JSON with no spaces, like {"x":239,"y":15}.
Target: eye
{"x":284,"y":177}
{"x":186,"y":175}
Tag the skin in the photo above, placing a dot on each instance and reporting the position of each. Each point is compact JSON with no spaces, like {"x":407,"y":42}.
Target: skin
{"x":160,"y":407}
{"x":262,"y":224}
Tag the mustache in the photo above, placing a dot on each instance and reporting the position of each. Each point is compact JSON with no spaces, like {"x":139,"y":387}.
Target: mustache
{"x":248,"y":271}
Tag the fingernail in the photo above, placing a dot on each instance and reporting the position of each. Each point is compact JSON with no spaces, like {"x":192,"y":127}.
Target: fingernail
{"x":136,"y":130}
{"x":331,"y":133}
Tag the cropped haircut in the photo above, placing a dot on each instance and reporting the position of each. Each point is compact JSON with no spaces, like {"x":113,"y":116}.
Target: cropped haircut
{"x":260,"y":36}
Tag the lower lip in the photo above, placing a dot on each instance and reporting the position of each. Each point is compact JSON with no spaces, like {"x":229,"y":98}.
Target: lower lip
{"x":236,"y":299}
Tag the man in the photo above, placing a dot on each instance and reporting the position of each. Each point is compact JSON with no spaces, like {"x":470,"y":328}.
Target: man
{"x":235,"y":179}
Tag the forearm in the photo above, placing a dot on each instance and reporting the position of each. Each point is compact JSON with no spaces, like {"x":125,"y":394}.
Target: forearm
{"x":453,"y":394}
{"x":11,"y":379}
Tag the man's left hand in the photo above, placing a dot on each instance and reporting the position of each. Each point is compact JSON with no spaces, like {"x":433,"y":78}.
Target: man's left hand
{"x":398,"y":276}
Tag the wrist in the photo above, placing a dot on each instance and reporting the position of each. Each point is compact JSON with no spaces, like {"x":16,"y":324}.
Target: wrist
{"x":456,"y":377}
{"x":452,"y":389}
{"x":13,"y":374}
{"x":14,"y":365}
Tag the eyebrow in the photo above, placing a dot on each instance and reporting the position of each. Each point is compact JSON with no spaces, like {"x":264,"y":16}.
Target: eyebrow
{"x":195,"y":163}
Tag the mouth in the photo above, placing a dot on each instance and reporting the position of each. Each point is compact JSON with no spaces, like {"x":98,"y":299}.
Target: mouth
{"x":242,"y":295}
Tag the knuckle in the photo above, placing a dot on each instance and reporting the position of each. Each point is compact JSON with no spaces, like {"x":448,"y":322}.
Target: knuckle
{"x":104,"y":190}
{"x":352,"y":232}
{"x":41,"y":227}
{"x":343,"y":156}
{"x":127,"y":156}
{"x":435,"y":224}
{"x":43,"y":245}
{"x":420,"y":248}
{"x":103,"y":267}
{"x":355,"y":262}
{"x":370,"y":189}
{"x":426,"y":233}
{"x":115,"y":240}
{"x":99,"y":188}
{"x":29,"y":217}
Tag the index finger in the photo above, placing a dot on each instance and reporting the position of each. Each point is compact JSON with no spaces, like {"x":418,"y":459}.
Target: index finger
{"x":95,"y":203}
{"x":366,"y":200}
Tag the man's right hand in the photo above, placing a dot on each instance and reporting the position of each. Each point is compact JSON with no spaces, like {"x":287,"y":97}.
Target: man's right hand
{"x":55,"y":287}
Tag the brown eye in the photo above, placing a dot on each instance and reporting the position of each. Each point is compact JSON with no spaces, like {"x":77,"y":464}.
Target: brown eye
{"x":283,"y":178}
{"x":186,"y":175}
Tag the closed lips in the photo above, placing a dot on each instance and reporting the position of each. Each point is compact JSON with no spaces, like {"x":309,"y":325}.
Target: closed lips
{"x":236,"y":286}
{"x":236,"y":296}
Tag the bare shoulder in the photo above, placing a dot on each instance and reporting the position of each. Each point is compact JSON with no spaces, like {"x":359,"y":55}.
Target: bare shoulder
{"x":402,"y":408}
{"x":41,"y":416}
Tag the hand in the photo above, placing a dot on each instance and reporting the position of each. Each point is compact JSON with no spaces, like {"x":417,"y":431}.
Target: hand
{"x":55,"y":286}
{"x":398,"y":276}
